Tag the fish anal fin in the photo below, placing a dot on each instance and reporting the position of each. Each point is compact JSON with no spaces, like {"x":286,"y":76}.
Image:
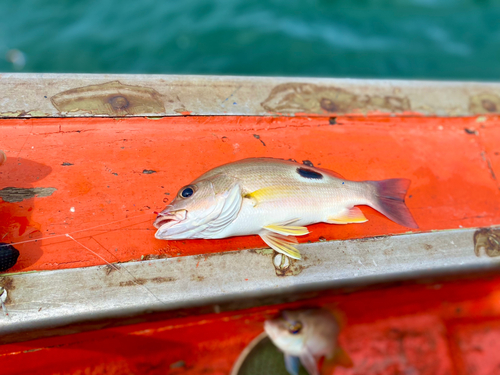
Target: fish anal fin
{"x":282,"y":244}
{"x":287,"y":230}
{"x":349,"y":215}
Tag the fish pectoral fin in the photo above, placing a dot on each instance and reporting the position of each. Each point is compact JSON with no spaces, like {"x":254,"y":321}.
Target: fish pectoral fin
{"x":292,"y":364}
{"x":282,"y":244}
{"x":349,"y":215}
{"x":310,"y":363}
{"x":339,"y":358}
{"x":287,"y":230}
{"x":269,"y":193}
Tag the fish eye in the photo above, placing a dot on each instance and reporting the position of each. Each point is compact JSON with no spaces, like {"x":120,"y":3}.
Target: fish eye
{"x":186,"y":192}
{"x":295,"y":328}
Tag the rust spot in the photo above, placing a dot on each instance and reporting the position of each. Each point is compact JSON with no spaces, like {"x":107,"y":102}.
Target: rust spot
{"x":13,"y":195}
{"x":328,"y":105}
{"x":7,"y":283}
{"x":489,"y":240}
{"x":133,"y":282}
{"x":484,"y":103}
{"x":160,"y":280}
{"x":197,"y":278}
{"x":310,"y":98}
{"x":154,"y":256}
{"x":142,"y":281}
{"x":256,"y":136}
{"x":489,"y":105}
{"x":285,"y":266}
{"x":111,"y":98}
{"x":119,"y":102}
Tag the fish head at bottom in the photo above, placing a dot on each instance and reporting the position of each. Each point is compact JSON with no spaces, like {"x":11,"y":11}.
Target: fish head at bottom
{"x":287,"y":333}
{"x":199,"y":210}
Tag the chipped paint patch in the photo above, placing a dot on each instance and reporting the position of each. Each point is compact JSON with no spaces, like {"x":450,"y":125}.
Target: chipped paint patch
{"x":311,"y":98}
{"x":111,"y":98}
{"x":484,"y":103}
{"x":487,"y":239}
{"x":13,"y":195}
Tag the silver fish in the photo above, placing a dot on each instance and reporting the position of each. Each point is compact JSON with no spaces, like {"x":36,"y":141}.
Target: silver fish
{"x":275,"y":199}
{"x":307,"y":336}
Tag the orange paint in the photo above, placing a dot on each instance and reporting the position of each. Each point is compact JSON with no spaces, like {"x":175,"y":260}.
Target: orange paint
{"x":115,"y":174}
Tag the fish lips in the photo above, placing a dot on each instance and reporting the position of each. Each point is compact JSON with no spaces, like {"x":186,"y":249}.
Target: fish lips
{"x":166,"y":220}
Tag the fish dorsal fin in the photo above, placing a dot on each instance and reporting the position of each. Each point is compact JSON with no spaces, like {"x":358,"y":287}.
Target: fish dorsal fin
{"x":292,"y":364}
{"x":352,"y":215}
{"x":286,"y":229}
{"x":282,"y":244}
{"x":270,"y":193}
{"x":309,"y":362}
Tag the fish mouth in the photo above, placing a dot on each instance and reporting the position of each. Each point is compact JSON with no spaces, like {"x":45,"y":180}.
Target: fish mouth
{"x":161,"y":221}
{"x":166,"y":220}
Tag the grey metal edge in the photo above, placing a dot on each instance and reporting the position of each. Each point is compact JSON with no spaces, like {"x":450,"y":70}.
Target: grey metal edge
{"x":54,"y":298}
{"x":24,"y":95}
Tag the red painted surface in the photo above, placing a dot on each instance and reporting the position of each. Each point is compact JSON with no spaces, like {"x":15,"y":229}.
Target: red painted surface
{"x":438,"y":329}
{"x":98,"y":167}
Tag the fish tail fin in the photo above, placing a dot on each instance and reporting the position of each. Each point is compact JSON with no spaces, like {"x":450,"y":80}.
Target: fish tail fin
{"x":389,"y":200}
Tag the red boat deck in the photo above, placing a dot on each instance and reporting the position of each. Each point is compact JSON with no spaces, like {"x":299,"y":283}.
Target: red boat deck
{"x":109,"y":175}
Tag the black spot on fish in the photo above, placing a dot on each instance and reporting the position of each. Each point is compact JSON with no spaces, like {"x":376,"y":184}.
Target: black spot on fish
{"x":307,"y":173}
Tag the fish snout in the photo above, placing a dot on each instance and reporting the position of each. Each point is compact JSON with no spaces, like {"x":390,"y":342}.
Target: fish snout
{"x":169,"y":218}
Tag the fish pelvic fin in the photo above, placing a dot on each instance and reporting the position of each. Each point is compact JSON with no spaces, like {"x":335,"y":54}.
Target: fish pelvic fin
{"x":389,"y":200}
{"x":349,"y":215}
{"x":287,"y":230}
{"x":292,"y":364}
{"x":282,"y":244}
{"x":310,"y":363}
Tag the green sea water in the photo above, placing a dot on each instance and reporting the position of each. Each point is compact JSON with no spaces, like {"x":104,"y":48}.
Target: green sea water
{"x":417,"y":39}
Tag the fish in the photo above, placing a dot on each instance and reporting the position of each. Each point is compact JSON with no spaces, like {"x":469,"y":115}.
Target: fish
{"x":275,"y":199}
{"x":308,"y":337}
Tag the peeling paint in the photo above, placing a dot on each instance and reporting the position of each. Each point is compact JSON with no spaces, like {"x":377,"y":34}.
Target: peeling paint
{"x":13,"y":195}
{"x":111,"y":98}
{"x":311,"y":98}
{"x":35,"y":113}
{"x":484,"y":103}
